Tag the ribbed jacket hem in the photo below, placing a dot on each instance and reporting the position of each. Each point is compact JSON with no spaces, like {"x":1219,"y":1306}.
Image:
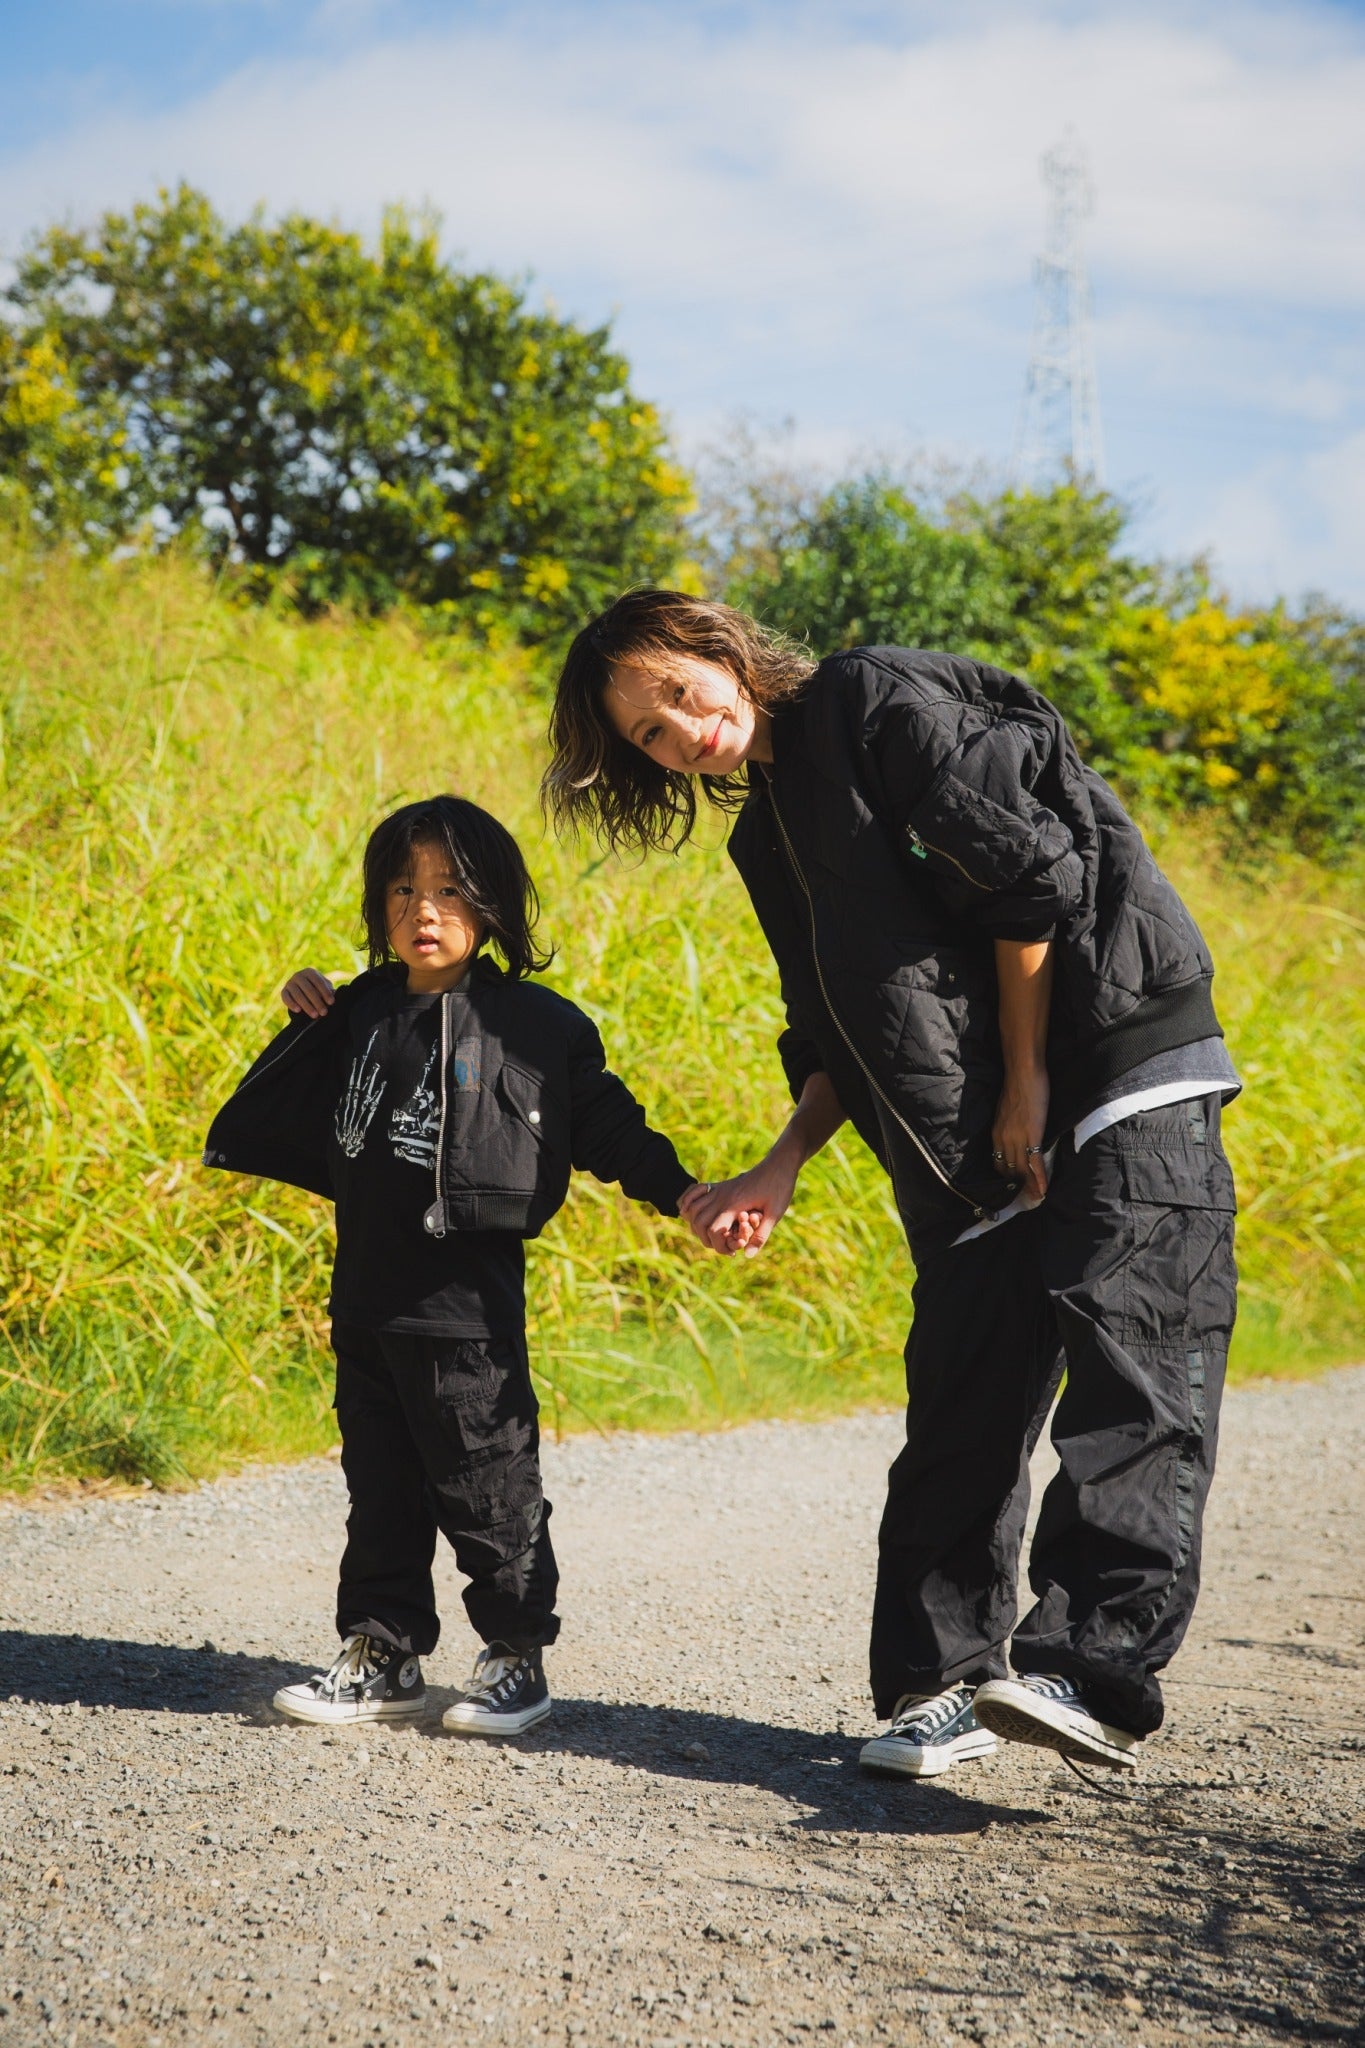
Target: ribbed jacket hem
{"x":1160,"y":1023}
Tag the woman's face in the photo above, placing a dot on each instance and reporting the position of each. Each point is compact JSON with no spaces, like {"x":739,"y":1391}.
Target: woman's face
{"x":693,"y":719}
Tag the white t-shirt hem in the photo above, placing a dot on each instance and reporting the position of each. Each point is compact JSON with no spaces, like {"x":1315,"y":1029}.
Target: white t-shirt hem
{"x":1090,"y":1127}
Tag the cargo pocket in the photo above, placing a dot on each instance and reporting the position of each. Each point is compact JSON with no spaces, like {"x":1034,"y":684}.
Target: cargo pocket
{"x":1181,"y":1282}
{"x":488,"y":1411}
{"x":1180,"y":1295}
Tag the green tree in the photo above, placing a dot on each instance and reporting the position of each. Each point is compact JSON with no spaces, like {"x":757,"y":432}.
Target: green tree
{"x":1067,"y":588}
{"x":868,"y":568}
{"x":364,"y":424}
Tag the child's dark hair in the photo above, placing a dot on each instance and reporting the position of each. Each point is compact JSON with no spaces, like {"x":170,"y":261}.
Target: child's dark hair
{"x":487,"y":864}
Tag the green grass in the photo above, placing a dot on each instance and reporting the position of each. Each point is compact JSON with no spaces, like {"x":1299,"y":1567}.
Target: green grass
{"x":187,"y":788}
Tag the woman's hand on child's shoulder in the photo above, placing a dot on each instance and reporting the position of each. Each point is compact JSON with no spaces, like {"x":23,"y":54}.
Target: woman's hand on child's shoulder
{"x":308,"y":993}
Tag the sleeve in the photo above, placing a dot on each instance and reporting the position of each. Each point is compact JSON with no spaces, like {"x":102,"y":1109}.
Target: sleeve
{"x":800,"y":1056}
{"x":998,"y":855}
{"x":609,"y":1136}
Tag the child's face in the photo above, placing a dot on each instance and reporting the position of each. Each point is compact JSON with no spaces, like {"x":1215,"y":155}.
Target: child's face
{"x":431,"y":928}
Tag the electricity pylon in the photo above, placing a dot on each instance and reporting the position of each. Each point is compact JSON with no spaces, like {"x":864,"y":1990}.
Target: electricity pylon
{"x":1059,"y":421}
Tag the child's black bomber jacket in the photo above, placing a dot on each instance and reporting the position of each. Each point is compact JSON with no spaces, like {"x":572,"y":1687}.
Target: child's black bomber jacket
{"x":545,"y":1103}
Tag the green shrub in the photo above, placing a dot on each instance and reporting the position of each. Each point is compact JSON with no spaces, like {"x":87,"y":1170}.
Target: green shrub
{"x":1257,"y":718}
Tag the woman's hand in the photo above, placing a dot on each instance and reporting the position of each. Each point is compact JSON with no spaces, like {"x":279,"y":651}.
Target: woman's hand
{"x":737,"y":1215}
{"x":1017,"y":1134}
{"x":308,"y":993}
{"x":740,"y":1215}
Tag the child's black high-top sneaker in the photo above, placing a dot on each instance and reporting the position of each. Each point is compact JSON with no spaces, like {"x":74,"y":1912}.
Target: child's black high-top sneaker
{"x":370,"y":1681}
{"x":506,"y":1694}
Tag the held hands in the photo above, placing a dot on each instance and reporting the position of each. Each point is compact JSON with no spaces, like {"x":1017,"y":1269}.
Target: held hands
{"x":740,"y":1215}
{"x":1017,"y":1135}
{"x":308,"y":993}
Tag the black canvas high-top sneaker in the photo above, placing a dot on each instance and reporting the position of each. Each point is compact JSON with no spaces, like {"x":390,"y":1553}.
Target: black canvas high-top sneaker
{"x":506,"y":1694}
{"x":370,"y":1681}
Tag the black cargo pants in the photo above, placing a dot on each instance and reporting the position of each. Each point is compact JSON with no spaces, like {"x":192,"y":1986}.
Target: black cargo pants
{"x":441,"y":1433}
{"x":1124,"y":1279}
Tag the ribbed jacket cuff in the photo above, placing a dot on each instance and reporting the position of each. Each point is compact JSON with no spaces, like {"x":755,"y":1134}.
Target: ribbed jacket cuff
{"x":669,"y":1184}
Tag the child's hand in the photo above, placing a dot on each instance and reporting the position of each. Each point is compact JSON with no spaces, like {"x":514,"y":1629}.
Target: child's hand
{"x":308,"y":993}
{"x":741,"y":1232}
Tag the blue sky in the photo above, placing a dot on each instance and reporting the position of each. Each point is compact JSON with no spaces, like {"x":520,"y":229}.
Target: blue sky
{"x":821,"y":211}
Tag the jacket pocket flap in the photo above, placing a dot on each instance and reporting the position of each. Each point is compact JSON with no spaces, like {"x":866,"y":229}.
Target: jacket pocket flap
{"x":524,"y":1095}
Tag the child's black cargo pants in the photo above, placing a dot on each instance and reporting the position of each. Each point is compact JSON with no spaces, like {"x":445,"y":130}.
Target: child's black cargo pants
{"x":1125,"y":1280}
{"x":441,"y":1433}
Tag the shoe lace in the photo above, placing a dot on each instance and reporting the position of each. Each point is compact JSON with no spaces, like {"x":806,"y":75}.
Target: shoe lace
{"x":356,"y":1665}
{"x":492,"y":1669}
{"x":1051,"y":1686}
{"x":929,"y":1711}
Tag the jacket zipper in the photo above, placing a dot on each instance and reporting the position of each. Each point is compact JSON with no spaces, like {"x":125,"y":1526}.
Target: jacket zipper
{"x":869,"y":1076}
{"x":923,"y":848}
{"x":285,"y":1052}
{"x":435,"y":1218}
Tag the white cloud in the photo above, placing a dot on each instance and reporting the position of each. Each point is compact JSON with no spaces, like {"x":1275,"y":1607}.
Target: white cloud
{"x":796,"y":213}
{"x":1296,"y":524}
{"x":633,"y":146}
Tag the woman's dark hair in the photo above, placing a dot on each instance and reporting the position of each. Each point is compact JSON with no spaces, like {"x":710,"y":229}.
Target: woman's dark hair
{"x":598,"y":779}
{"x":486,"y":862}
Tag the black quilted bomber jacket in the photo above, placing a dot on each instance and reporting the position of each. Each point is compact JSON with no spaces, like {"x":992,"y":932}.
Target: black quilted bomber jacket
{"x":547,"y":1103}
{"x":918,"y":807}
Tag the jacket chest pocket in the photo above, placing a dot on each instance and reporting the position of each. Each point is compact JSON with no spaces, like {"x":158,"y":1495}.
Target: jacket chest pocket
{"x":522,"y":1096}
{"x":532,"y":1128}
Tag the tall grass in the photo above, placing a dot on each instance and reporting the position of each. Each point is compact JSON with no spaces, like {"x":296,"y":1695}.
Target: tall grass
{"x":187,"y":787}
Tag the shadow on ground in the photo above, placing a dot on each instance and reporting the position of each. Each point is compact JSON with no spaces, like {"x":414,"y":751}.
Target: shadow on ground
{"x":814,"y":1769}
{"x":1222,"y":1918}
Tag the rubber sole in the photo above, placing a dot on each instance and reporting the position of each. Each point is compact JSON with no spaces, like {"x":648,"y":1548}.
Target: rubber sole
{"x":1043,"y":1725}
{"x":888,"y":1757}
{"x":320,"y":1714}
{"x":496,"y":1726}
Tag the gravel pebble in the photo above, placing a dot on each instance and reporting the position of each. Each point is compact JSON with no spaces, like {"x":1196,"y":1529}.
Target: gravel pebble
{"x":686,"y":1853}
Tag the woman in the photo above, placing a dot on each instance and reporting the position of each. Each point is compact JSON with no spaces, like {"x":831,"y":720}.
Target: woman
{"x":985,"y":972}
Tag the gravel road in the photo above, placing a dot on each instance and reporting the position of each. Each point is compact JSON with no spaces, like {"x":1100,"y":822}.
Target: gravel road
{"x":686,"y":1853}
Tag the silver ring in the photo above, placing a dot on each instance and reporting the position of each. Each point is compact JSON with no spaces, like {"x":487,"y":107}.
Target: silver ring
{"x":997,"y":1155}
{"x":1033,"y":1151}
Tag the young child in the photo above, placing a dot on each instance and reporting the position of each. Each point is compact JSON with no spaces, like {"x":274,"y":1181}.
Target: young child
{"x":441,"y":1100}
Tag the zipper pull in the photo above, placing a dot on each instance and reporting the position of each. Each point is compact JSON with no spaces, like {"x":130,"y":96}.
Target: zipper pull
{"x":917,"y":846}
{"x":434,"y":1221}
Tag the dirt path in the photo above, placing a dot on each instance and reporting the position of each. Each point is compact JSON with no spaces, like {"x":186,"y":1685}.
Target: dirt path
{"x":687,"y":1852}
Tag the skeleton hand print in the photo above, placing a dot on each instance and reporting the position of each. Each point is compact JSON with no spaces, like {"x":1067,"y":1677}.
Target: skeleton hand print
{"x":356,"y":1109}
